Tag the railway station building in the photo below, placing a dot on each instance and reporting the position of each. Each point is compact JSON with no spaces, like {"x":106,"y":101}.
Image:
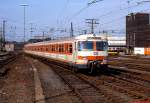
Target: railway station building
{"x":138,"y":33}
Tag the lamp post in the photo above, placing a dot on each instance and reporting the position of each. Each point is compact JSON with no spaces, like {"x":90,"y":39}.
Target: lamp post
{"x":24,"y":6}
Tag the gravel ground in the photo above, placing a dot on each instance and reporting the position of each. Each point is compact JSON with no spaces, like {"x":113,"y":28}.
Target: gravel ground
{"x":54,"y":89}
{"x":18,"y":85}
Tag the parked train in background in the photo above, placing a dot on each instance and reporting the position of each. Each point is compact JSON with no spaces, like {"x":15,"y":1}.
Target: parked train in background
{"x":81,"y":52}
{"x":117,"y":45}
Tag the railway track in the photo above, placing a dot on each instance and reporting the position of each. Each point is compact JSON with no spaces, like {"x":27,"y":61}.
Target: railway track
{"x":135,"y":66}
{"x":85,"y":90}
{"x":124,"y":87}
{"x":116,"y":89}
{"x":4,"y":60}
{"x":129,"y":89}
{"x":138,"y":77}
{"x":131,"y":63}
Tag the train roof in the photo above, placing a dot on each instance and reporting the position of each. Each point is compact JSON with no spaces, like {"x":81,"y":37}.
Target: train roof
{"x":71,"y":39}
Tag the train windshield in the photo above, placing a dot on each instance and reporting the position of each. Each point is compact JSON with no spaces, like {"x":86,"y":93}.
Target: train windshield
{"x":85,"y":45}
{"x":101,"y":46}
{"x":89,"y":46}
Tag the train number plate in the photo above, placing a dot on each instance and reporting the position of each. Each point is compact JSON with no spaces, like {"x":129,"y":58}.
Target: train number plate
{"x":95,"y":53}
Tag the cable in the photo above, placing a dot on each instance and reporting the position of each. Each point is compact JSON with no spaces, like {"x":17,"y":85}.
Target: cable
{"x":76,"y":14}
{"x":108,"y":13}
{"x":84,"y":8}
{"x":122,"y":17}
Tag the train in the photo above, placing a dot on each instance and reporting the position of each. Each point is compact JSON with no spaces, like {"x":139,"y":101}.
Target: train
{"x":116,"y":50}
{"x":117,"y":45}
{"x":87,"y":52}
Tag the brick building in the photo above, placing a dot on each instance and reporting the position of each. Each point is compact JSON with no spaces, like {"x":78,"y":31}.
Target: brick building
{"x":137,"y":31}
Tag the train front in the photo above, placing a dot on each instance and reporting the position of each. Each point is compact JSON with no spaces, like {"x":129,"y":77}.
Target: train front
{"x":92,"y":53}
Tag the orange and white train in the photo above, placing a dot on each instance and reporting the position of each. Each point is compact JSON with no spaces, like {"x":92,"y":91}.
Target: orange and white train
{"x":80,"y":52}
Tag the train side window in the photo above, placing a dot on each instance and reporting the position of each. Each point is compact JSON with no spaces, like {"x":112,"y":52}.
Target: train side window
{"x":62,"y":48}
{"x":70,"y":48}
{"x":46,"y":48}
{"x":59,"y":48}
{"x":42,"y":49}
{"x":55,"y":48}
{"x":65,"y":48}
{"x":50,"y":48}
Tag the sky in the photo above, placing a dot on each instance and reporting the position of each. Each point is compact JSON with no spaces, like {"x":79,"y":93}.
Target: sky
{"x":53,"y":17}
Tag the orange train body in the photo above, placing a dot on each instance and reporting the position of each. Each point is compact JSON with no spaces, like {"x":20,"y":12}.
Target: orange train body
{"x":80,"y":52}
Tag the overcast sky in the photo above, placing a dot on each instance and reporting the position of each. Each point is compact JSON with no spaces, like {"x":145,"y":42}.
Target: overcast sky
{"x":57,"y":14}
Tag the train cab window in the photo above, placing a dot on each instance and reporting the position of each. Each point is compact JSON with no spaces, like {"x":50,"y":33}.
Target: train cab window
{"x":85,"y":45}
{"x":101,"y":45}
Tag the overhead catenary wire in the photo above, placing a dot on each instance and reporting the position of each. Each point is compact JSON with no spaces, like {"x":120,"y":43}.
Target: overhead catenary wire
{"x":113,"y":11}
{"x":118,"y":19}
{"x":122,"y":17}
{"x":84,"y":8}
{"x":95,"y":1}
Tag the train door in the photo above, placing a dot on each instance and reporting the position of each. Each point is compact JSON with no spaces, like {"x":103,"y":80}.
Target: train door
{"x":74,"y":55}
